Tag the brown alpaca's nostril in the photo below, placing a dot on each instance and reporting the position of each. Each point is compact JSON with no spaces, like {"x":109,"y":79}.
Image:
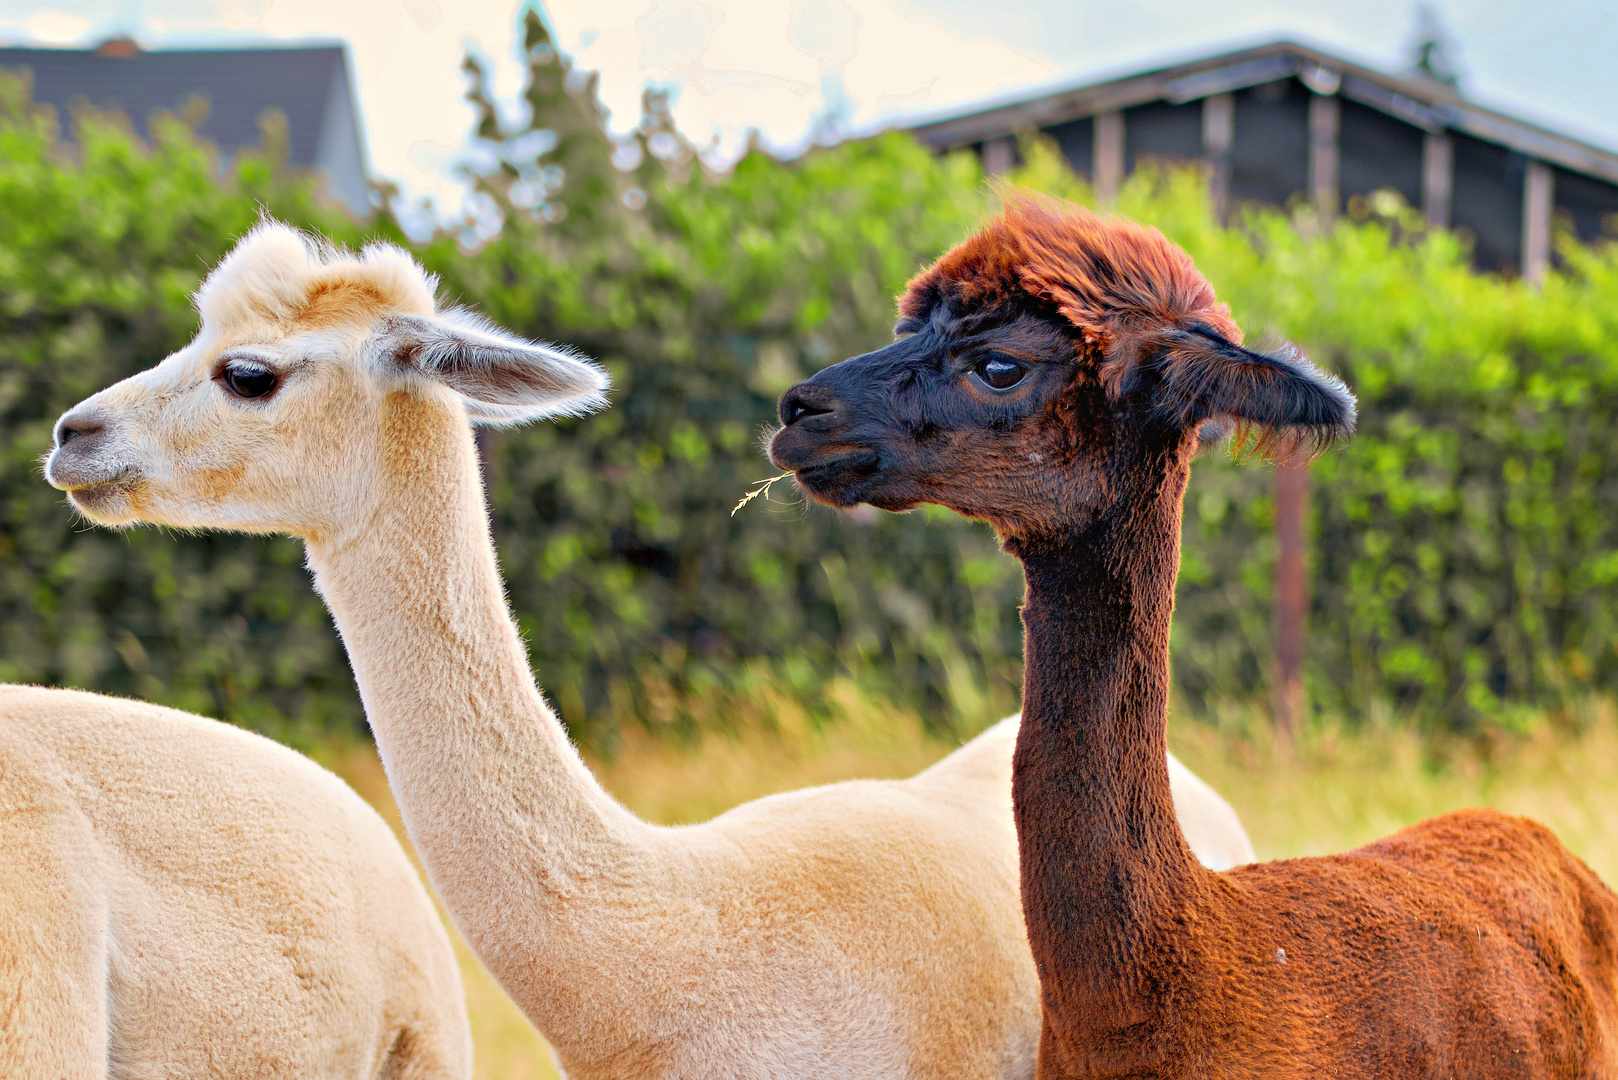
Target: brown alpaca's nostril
{"x":77,"y":427}
{"x":806,"y":400}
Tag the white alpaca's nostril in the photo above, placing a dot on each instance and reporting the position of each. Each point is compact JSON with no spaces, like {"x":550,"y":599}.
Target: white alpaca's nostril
{"x":71,"y":427}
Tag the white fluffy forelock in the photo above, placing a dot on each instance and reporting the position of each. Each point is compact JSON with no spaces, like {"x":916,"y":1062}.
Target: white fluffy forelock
{"x":273,"y":269}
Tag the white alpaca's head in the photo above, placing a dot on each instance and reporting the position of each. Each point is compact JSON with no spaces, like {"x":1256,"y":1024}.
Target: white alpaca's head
{"x":271,"y":419}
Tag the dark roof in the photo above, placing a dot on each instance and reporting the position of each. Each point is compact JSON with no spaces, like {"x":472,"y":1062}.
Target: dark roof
{"x":238,"y":84}
{"x":1422,"y":102}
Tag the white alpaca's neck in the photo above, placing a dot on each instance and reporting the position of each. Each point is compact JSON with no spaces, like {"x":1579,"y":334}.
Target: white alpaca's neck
{"x":519,"y":839}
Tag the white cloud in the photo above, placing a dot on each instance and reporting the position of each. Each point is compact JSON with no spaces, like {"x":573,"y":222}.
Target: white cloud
{"x":732,"y":65}
{"x":406,"y":57}
{"x":778,"y":68}
{"x":783,"y":66}
{"x":56,"y":27}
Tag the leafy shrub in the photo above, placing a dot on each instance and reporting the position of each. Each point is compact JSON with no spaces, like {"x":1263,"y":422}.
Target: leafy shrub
{"x":1463,"y":552}
{"x":1464,"y":541}
{"x":102,"y":241}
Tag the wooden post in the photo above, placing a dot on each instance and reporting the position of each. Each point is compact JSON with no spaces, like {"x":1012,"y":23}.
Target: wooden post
{"x":1537,"y":197}
{"x":998,"y":156}
{"x":1292,"y":474}
{"x":1291,"y":592}
{"x":1323,"y":157}
{"x":1109,"y":155}
{"x":1218,"y":133}
{"x":1437,"y":178}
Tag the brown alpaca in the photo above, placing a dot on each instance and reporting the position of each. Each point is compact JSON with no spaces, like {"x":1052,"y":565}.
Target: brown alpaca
{"x":1053,"y":376}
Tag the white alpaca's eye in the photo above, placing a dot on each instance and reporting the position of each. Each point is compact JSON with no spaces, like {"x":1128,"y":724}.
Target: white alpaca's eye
{"x":999,"y":373}
{"x":248,"y":380}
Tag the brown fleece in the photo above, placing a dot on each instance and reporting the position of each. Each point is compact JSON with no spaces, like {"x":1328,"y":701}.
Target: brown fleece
{"x":1118,"y":282}
{"x":1471,"y":945}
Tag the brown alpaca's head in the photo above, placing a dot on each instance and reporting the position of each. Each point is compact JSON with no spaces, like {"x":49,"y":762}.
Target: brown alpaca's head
{"x":1041,"y":365}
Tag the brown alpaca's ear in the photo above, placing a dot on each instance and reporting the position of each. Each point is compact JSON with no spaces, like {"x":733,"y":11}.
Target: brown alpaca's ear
{"x":1196,"y":375}
{"x":502,"y":379}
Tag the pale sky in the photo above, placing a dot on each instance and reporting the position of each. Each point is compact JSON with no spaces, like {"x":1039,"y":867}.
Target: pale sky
{"x":781,"y":66}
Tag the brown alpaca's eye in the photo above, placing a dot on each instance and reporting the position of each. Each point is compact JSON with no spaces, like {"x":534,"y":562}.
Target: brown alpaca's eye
{"x":249,"y":380}
{"x":1000,"y":374}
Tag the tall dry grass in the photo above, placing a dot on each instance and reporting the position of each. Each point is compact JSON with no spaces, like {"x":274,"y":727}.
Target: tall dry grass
{"x":1342,"y":788}
{"x":1335,"y":789}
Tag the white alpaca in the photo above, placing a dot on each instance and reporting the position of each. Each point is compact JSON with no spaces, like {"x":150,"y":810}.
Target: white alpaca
{"x":864,"y":929}
{"x":181,"y":898}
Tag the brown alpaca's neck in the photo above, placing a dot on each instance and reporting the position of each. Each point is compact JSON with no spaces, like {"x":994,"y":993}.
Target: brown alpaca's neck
{"x":1106,"y":873}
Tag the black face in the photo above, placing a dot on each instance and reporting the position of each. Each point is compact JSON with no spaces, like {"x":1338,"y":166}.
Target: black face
{"x":992,"y":421}
{"x":1017,"y":418}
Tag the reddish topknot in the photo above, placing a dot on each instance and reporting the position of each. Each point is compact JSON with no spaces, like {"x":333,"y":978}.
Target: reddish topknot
{"x":1118,"y":282}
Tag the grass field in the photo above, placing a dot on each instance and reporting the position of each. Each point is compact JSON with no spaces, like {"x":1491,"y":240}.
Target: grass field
{"x":1334,"y":790}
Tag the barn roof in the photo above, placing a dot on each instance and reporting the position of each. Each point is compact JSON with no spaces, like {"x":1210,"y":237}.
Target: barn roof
{"x":1425,"y":103}
{"x":309,"y":84}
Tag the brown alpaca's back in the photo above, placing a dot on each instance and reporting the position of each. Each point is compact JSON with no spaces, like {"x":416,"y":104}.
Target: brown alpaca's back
{"x":1470,"y":945}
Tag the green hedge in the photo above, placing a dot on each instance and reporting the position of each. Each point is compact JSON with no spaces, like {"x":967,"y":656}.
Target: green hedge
{"x":1463,"y":557}
{"x":102,"y":241}
{"x":1465,"y":541}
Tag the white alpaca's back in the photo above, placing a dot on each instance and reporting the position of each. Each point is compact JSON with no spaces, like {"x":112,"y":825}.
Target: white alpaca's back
{"x":181,"y":898}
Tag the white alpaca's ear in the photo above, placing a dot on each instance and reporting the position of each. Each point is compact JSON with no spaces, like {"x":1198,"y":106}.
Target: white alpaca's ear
{"x":503,"y":379}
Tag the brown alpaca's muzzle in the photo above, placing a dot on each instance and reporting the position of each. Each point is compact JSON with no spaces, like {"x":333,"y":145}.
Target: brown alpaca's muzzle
{"x":843,"y":432}
{"x":814,"y":445}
